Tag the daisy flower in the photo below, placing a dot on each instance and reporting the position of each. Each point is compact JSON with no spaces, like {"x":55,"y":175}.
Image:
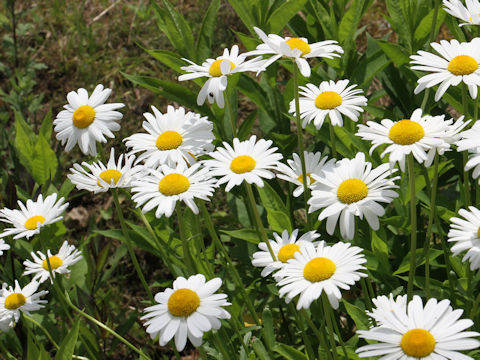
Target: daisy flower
{"x":384,"y":306}
{"x":318,"y":269}
{"x":3,"y":246}
{"x":470,"y":141}
{"x":469,"y":14}
{"x":465,"y":233}
{"x":248,"y":160}
{"x":188,"y":310}
{"x":283,"y":247}
{"x":413,"y":331}
{"x":97,"y":177}
{"x":217,"y":71}
{"x":66,"y":256}
{"x":87,"y":120}
{"x":314,"y":163}
{"x":296,"y":48}
{"x":32,"y":216}
{"x":458,"y":62}
{"x":162,"y":188}
{"x":175,"y":137}
{"x":416,"y":135}
{"x":352,"y":188}
{"x":329,"y":98}
{"x":14,"y":300}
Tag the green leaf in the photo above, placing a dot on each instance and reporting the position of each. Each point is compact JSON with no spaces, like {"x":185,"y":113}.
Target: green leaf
{"x":358,"y":315}
{"x":23,"y":144}
{"x":67,"y":346}
{"x":282,"y":15}
{"x":47,"y":124}
{"x":419,"y":260}
{"x":168,"y":58}
{"x":398,"y":22}
{"x":277,"y":213}
{"x":395,"y":52}
{"x":260,"y":350}
{"x":44,"y":161}
{"x":250,"y":235}
{"x":268,"y":330}
{"x":349,"y":23}
{"x":289,"y":352}
{"x":242,"y":10}
{"x":246,"y":126}
{"x":380,"y":250}
{"x":422,"y":32}
{"x":204,"y":41}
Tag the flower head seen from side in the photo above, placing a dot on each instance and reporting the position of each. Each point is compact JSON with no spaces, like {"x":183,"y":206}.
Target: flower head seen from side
{"x":97,"y":177}
{"x":352,"y":188}
{"x":59,"y":263}
{"x":314,"y":164}
{"x":414,"y":331}
{"x":217,"y":71}
{"x":296,"y":48}
{"x":248,"y":160}
{"x":3,"y":246}
{"x":330,"y":98}
{"x":469,"y":140}
{"x":32,"y":216}
{"x":175,"y":137}
{"x":187,"y":310}
{"x":465,"y":233}
{"x":318,"y":269}
{"x":284,"y":247}
{"x":16,"y":299}
{"x":458,"y":63}
{"x":416,"y":135}
{"x":162,"y":188}
{"x":87,"y":120}
{"x":469,"y":14}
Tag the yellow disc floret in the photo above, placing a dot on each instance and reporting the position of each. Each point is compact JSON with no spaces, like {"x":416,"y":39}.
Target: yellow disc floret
{"x":242,"y":164}
{"x":296,"y":43}
{"x":417,"y":343}
{"x":287,"y":252}
{"x":319,"y":269}
{"x":478,"y":232}
{"x":14,"y":301}
{"x":328,"y":100}
{"x":169,"y":140}
{"x":462,"y":65}
{"x":406,"y":132}
{"x":215,"y":69}
{"x":55,"y":262}
{"x":183,"y":302}
{"x":352,"y":190}
{"x":83,"y":116}
{"x":173,"y":184}
{"x":32,"y":223}
{"x":300,"y":178}
{"x":109,"y":175}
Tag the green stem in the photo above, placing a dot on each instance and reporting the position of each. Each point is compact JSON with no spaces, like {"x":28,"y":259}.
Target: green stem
{"x":332,"y":138}
{"x":448,"y":266}
{"x":186,"y":250}
{"x":326,"y":311}
{"x":175,"y":351}
{"x":318,"y":333}
{"x":300,"y":324}
{"x":413,"y":229}
{"x":337,"y":331}
{"x":45,"y":331}
{"x":466,"y":179}
{"x":130,"y":247}
{"x":468,"y":305}
{"x":230,"y":114}
{"x":366,"y":294}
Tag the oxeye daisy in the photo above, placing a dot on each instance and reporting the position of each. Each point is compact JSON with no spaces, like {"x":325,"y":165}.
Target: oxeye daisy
{"x":14,"y":300}
{"x":352,"y":188}
{"x":162,"y":188}
{"x":321,"y":268}
{"x":97,"y":177}
{"x":3,"y":246}
{"x":217,"y":71}
{"x":87,"y":120}
{"x":458,"y":62}
{"x":32,"y":216}
{"x":465,"y":233}
{"x":416,"y":135}
{"x":385,"y":306}
{"x":329,"y":98}
{"x":59,"y":263}
{"x":248,"y":160}
{"x":414,"y":331}
{"x":470,"y":141}
{"x":175,"y":137}
{"x":283,"y":247}
{"x":469,"y":14}
{"x":188,"y":310}
{"x":296,"y":48}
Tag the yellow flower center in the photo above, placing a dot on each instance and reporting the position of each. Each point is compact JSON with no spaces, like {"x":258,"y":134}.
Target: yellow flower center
{"x":328,"y":100}
{"x":300,"y":178}
{"x":14,"y":301}
{"x":406,"y":132}
{"x":287,"y":251}
{"x":296,"y":43}
{"x":55,"y":262}
{"x":319,"y":269}
{"x":83,"y":116}
{"x":417,"y":343}
{"x":108,"y":176}
{"x":183,"y":302}
{"x":352,"y":190}
{"x":462,"y":65}
{"x":215,"y":68}
{"x":32,"y":223}
{"x":478,"y":232}
{"x":169,"y":140}
{"x":242,"y":164}
{"x":173,"y":184}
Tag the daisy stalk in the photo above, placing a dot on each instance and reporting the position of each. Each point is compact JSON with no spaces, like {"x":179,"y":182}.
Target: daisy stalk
{"x":230,"y":113}
{"x":413,"y":228}
{"x":466,"y":180}
{"x":300,"y":324}
{"x":337,"y":331}
{"x":186,"y":250}
{"x":318,"y":333}
{"x":326,"y":311}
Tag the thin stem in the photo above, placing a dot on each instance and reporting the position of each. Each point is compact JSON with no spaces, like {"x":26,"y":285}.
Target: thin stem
{"x":332,"y":138}
{"x":45,"y":331}
{"x":413,"y":229}
{"x":326,"y":310}
{"x":469,"y":304}
{"x":337,"y":331}
{"x":366,"y":294}
{"x":186,"y":250}
{"x":318,"y":333}
{"x":130,"y":247}
{"x":306,"y":340}
{"x":448,"y":266}
{"x":466,"y":179}
{"x":175,"y":351}
{"x":230,"y":114}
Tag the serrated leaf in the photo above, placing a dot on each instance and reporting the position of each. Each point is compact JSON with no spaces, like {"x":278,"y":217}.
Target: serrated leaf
{"x":23,"y":144}
{"x":47,"y":125}
{"x":44,"y":161}
{"x":204,"y":41}
{"x":358,"y":315}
